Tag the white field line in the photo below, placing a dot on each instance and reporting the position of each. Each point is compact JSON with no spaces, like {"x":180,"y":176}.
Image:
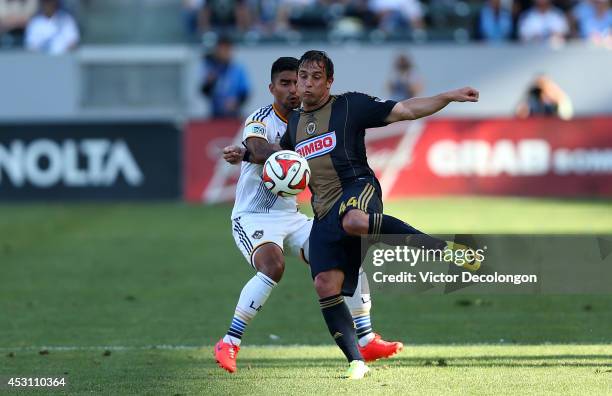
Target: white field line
{"x":97,"y":348}
{"x":137,"y":347}
{"x":271,"y":346}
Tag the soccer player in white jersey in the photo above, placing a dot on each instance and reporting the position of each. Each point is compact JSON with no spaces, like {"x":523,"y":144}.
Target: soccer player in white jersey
{"x":264,"y":224}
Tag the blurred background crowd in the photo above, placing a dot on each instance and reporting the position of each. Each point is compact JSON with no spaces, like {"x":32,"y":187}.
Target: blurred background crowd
{"x":59,"y":25}
{"x":215,"y":28}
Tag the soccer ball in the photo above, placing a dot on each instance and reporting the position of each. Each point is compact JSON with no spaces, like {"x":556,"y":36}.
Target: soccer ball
{"x":286,"y":173}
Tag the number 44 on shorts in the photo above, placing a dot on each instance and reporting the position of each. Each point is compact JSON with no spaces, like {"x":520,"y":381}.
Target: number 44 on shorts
{"x":351,"y":202}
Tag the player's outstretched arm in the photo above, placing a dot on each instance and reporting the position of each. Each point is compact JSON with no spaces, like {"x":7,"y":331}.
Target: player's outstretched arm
{"x":260,"y":149}
{"x":414,"y":108}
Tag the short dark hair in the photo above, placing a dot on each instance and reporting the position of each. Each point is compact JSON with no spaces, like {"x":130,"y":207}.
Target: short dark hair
{"x":319,"y":57}
{"x":284,"y":63}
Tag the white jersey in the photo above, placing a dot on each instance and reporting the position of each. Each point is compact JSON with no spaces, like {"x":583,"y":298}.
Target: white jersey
{"x":252,"y":196}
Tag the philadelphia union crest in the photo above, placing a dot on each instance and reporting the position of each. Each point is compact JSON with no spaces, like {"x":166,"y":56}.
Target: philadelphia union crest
{"x":311,"y":127}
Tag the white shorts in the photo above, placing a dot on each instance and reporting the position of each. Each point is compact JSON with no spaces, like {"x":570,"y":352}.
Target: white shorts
{"x":290,"y":231}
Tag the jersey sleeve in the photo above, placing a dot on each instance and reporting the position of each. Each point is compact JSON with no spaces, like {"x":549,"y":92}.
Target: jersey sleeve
{"x":254,"y":128}
{"x":371,"y":110}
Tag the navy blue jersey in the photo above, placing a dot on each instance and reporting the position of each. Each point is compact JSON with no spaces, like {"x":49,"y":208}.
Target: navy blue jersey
{"x":332,"y":139}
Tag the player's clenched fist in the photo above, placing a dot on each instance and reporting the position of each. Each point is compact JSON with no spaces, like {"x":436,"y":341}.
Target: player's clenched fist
{"x":233,"y":154}
{"x":466,"y":94}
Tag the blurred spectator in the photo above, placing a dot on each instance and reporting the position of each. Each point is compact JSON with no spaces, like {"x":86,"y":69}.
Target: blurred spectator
{"x":191,"y":12}
{"x":268,"y":10}
{"x":398,"y":15}
{"x":543,"y":22}
{"x":404,"y":83}
{"x":597,"y":25}
{"x":14,"y":17}
{"x":545,"y":98}
{"x":494,"y":22}
{"x":225,"y":82}
{"x":53,"y":30}
{"x":519,"y":7}
{"x":301,"y":14}
{"x":360,"y":10}
{"x":226,"y":15}
{"x":581,"y":11}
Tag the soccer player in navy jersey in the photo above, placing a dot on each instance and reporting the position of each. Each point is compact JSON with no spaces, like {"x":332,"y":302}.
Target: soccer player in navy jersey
{"x":329,"y":130}
{"x":266,"y":227}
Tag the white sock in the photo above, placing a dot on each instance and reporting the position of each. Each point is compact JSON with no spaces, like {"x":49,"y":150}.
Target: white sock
{"x":365,"y":340}
{"x":360,"y":305}
{"x":252,"y":298}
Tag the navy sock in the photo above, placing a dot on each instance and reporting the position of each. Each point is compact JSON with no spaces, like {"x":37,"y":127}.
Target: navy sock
{"x":340,"y":324}
{"x":380,"y":224}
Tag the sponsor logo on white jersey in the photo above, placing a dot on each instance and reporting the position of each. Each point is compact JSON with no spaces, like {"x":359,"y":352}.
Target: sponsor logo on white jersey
{"x":259,"y":129}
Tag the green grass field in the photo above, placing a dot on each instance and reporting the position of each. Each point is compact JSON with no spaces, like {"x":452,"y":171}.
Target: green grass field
{"x":77,"y":280}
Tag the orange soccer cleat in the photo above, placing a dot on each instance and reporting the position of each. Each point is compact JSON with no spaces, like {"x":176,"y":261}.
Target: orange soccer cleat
{"x":225,"y":355}
{"x":379,"y":349}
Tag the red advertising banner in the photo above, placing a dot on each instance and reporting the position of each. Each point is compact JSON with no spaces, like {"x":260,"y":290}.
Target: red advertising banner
{"x":533,"y":157}
{"x":207,"y":178}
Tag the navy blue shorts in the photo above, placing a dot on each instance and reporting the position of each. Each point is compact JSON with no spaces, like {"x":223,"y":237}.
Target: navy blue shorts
{"x":330,"y":247}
